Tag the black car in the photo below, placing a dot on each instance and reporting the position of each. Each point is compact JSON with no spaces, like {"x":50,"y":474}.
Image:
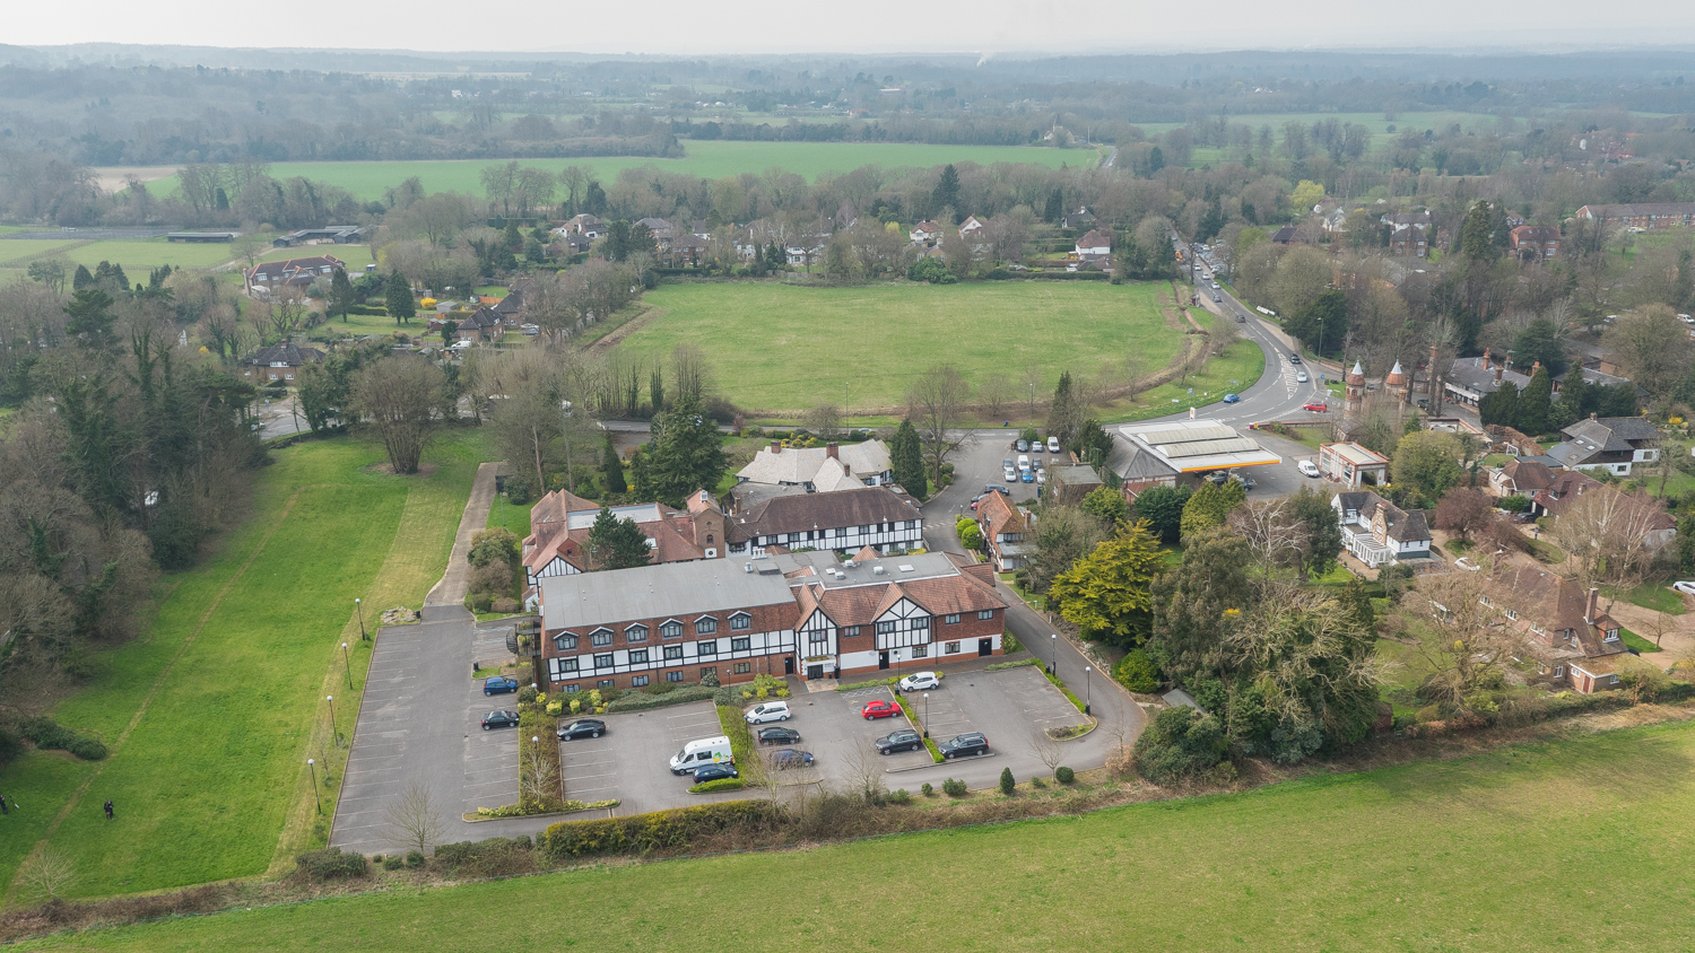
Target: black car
{"x":960,"y":746}
{"x":778,"y":736}
{"x":903,"y":740}
{"x":715,"y":772}
{"x":582,"y":728}
{"x":1023,"y":446}
{"x":1294,"y":359}
{"x":500,"y":718}
{"x":784,"y":758}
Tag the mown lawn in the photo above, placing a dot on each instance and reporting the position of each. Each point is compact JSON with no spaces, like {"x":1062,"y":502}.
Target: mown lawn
{"x":776,"y":347}
{"x":1525,"y":848}
{"x":212,"y":712}
{"x":1654,"y":596}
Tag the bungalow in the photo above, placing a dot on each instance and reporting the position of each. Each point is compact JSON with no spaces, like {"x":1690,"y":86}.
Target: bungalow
{"x":838,"y":521}
{"x":1096,"y":245}
{"x":1005,"y":528}
{"x":1378,"y":532}
{"x":926,"y":233}
{"x":279,"y":362}
{"x":1614,"y":444}
{"x":821,"y":469}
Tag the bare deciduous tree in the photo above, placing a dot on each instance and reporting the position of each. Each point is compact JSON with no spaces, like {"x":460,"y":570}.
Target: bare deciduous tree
{"x":47,"y":874}
{"x":1473,"y":649}
{"x":413,"y":821}
{"x":1607,"y":533}
{"x":1273,"y":532}
{"x":936,"y":404}
{"x":404,"y":399}
{"x":864,"y":769}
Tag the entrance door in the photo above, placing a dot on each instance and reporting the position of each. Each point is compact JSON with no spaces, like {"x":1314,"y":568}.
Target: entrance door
{"x":882,"y":660}
{"x":788,"y":665}
{"x":814,"y":671}
{"x":985,"y":647}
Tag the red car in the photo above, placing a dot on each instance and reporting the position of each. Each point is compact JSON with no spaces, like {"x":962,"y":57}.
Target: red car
{"x":1317,"y":407}
{"x":879,"y":708}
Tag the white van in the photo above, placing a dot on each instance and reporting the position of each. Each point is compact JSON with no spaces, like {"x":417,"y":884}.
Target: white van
{"x":1023,"y":462}
{"x":767,"y":712}
{"x":701,"y":752}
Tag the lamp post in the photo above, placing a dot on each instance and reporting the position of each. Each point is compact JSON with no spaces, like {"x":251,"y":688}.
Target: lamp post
{"x":565,"y":408}
{"x":312,"y":766}
{"x":926,"y":714}
{"x":359,"y":606}
{"x":348,"y":665}
{"x":1088,"y":690}
{"x":334,"y":733}
{"x":1053,"y":656}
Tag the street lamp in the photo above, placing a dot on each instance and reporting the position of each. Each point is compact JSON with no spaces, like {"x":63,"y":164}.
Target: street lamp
{"x":333,"y":731}
{"x":359,"y":606}
{"x":311,"y":765}
{"x":565,"y":408}
{"x":926,"y":714}
{"x":348,"y":665}
{"x":1053,"y":657}
{"x":1088,"y":690}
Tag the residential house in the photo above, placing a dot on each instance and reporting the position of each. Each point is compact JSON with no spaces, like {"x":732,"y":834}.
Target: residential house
{"x":1287,"y":235}
{"x":1006,"y":529}
{"x":1563,"y":486}
{"x":484,"y":325}
{"x":279,"y":362}
{"x":687,"y":251}
{"x":1534,"y":243}
{"x":1520,"y":477}
{"x":1095,"y":246}
{"x":1470,"y":379}
{"x":1642,"y":216}
{"x":663,"y":232}
{"x":1078,"y":221}
{"x":560,"y":523}
{"x":974,"y":232}
{"x":1512,"y":441}
{"x":1334,"y":221}
{"x":1562,"y":628}
{"x":926,"y":233}
{"x":837,"y":521}
{"x":1616,"y":513}
{"x":806,"y":614}
{"x":1378,"y":532}
{"x":586,"y":225}
{"x":1353,"y":465}
{"x":1409,"y":233}
{"x":820,"y":469}
{"x":273,"y":276}
{"x":1614,"y":444}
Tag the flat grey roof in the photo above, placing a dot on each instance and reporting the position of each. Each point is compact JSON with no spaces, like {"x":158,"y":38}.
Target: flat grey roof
{"x":668,"y":589}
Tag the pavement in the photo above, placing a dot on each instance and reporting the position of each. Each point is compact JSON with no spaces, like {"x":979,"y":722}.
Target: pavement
{"x":450,"y":590}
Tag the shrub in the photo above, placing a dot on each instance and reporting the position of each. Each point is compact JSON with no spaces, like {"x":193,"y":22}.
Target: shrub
{"x":659,"y":695}
{"x":496,"y":856}
{"x":1008,"y":783}
{"x":88,"y":749}
{"x":50,"y":735}
{"x":414,"y":859}
{"x":1064,"y":775}
{"x":527,"y":695}
{"x":660,"y":830}
{"x":519,"y":491}
{"x":900,"y":796}
{"x":331,"y":863}
{"x":393,"y":863}
{"x":1137,"y":672}
{"x":1010,"y":643}
{"x":721,"y":784}
{"x":1037,"y":782}
{"x":1181,"y":744}
{"x":927,"y":789}
{"x":953,"y":787}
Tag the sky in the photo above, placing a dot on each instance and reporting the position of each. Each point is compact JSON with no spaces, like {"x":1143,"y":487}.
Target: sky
{"x":860,"y":26}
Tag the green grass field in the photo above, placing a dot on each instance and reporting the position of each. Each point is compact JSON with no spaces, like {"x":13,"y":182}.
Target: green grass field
{"x":774,"y":347}
{"x":139,"y":256}
{"x":211,"y":713}
{"x":1576,"y":845}
{"x":705,"y":159}
{"x":1377,"y":128}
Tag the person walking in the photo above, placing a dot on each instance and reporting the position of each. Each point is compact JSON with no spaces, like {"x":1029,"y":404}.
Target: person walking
{"x":109,"y":813}
{"x":4,"y":807}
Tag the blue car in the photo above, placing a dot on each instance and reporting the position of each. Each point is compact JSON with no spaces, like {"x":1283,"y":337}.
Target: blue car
{"x":1232,"y":398}
{"x":715,"y":772}
{"x":1027,"y":476}
{"x":500,"y":685}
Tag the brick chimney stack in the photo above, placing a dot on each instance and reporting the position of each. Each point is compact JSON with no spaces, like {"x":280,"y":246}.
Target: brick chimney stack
{"x":832,"y":451}
{"x":776,"y":447}
{"x":1592,"y":605}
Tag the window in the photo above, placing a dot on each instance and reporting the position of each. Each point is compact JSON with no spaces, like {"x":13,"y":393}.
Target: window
{"x":742,"y":668}
{"x":601,"y":638}
{"x":603,"y":660}
{"x":951,"y":618}
{"x":673,"y":652}
{"x":1559,"y":671}
{"x":606,"y":683}
{"x":742,"y":644}
{"x":637,"y":681}
{"x":567,"y":665}
{"x":571,"y":689}
{"x":565,"y":642}
{"x":952,"y":648}
{"x":984,"y":615}
{"x":673,"y":676}
{"x":635,"y":633}
{"x":741,"y":622}
{"x":638,"y":656}
{"x":851,"y":631}
{"x":1512,"y":615}
{"x":705,"y":625}
{"x":884,"y":628}
{"x":1612,"y":635}
{"x":708,"y":647}
{"x":671,"y":630}
{"x":921,"y":651}
{"x":708,"y":671}
{"x":919,"y":625}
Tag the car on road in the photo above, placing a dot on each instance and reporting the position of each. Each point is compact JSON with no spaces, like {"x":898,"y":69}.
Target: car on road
{"x":1307,"y":468}
{"x":1241,"y":319}
{"x":715,"y":772}
{"x":1302,"y":378}
{"x":1685,"y":586}
{"x":582,"y":728}
{"x":500,"y":718}
{"x":903,"y":740}
{"x":920,"y":681}
{"x":1027,"y":476}
{"x":765,"y":712}
{"x":778,"y":736}
{"x":1317,"y":407}
{"x":879,"y":708}
{"x":499,"y":685}
{"x":1294,"y":358}
{"x":963,"y":746}
{"x":1022,"y":445}
{"x":1215,"y":285}
{"x":1232,"y":398}
{"x":785,"y":758}
{"x":1053,"y":444}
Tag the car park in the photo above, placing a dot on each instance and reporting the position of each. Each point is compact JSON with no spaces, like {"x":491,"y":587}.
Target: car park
{"x":1317,"y":407}
{"x":879,"y":708}
{"x":1232,"y":398}
{"x":1247,"y":482}
{"x":582,"y":728}
{"x":1307,"y":468}
{"x":1021,"y":445}
{"x":500,"y":718}
{"x":1007,"y":464}
{"x":903,"y":740}
{"x":1302,"y":378}
{"x":778,"y":736}
{"x":499,"y":685}
{"x":962,"y":746}
{"x":715,"y":772}
{"x":1009,"y":475}
{"x":701,"y":752}
{"x":785,"y":758}
{"x":766,"y":712}
{"x":920,"y":681}
{"x":1053,"y":444}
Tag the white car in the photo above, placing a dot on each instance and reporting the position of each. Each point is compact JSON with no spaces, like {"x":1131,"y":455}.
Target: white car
{"x":920,"y":681}
{"x":1302,"y":378}
{"x":1685,"y":586}
{"x":767,"y":712}
{"x":459,"y":345}
{"x":1464,"y":562}
{"x":1053,"y":444}
{"x":1009,"y":475}
{"x":1307,"y":468}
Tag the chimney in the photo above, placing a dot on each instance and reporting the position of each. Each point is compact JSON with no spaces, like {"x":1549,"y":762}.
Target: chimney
{"x":1499,"y":371}
{"x":1488,"y":358}
{"x":1589,"y":607}
{"x":776,"y":447}
{"x":832,"y":451}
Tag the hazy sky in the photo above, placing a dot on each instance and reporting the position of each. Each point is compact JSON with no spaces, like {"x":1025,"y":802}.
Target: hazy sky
{"x":748,"y":26}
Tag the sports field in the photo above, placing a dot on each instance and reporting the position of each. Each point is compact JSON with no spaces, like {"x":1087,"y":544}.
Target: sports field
{"x":774,"y":347}
{"x":704,"y":159}
{"x":1574,"y":845}
{"x":211,"y":713}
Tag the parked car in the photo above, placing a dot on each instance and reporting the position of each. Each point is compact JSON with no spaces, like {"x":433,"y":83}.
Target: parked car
{"x":961,"y":746}
{"x":500,"y":718}
{"x":1685,"y":586}
{"x":582,"y":728}
{"x":977,"y":500}
{"x":1217,"y":477}
{"x":1053,"y":444}
{"x":1022,"y":445}
{"x":1027,"y":476}
{"x":920,"y":681}
{"x":1317,"y":407}
{"x":1247,"y":482}
{"x":1241,"y":318}
{"x":1307,"y":468}
{"x":1007,"y":464}
{"x":499,"y":685}
{"x":768,"y":712}
{"x":879,"y":708}
{"x":1009,"y":475}
{"x":1232,"y":398}
{"x":997,"y":488}
{"x":1024,"y":461}
{"x":903,"y":740}
{"x":1302,"y":378}
{"x":778,"y":736}
{"x":715,"y":772}
{"x":785,"y":758}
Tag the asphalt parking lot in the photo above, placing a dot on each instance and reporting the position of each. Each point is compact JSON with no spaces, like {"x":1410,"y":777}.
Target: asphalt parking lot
{"x":631,"y":761}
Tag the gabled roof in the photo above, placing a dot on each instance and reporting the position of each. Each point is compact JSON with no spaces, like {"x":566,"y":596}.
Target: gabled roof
{"x":1001,"y":517}
{"x":1096,"y":238}
{"x":1556,"y":604}
{"x":1613,"y":434}
{"x":803,"y":465}
{"x":859,"y":506}
{"x":1527,"y":476}
{"x":292,"y":355}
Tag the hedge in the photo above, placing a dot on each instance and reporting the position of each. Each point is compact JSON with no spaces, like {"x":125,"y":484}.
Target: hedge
{"x":656,"y":831}
{"x":332,"y":863}
{"x":641,"y":701}
{"x":369,"y":310}
{"x":49,"y":734}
